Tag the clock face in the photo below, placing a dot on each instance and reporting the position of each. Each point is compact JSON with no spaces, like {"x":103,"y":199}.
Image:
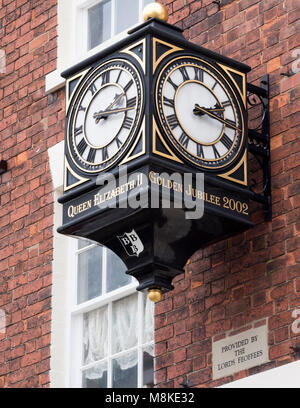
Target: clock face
{"x":105,"y":116}
{"x":200,"y":112}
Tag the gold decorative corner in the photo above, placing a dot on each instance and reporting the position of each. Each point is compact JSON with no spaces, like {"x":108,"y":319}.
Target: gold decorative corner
{"x":172,"y":48}
{"x":243,"y":92}
{"x":80,"y":180}
{"x":169,"y":153}
{"x":129,"y":51}
{"x":69,"y":94}
{"x":141,"y":137}
{"x":230,"y":174}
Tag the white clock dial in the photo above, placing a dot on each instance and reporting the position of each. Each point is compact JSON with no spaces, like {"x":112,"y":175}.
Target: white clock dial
{"x":105,"y":116}
{"x":200,"y":112}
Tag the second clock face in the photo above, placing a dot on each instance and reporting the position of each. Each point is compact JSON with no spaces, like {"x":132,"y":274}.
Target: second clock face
{"x":105,"y":116}
{"x":200,"y":112}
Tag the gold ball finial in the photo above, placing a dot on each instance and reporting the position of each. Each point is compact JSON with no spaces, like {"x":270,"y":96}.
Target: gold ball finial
{"x":155,"y":295}
{"x":155,"y":10}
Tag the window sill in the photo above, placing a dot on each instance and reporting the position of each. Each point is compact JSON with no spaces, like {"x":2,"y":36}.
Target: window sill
{"x":54,"y":81}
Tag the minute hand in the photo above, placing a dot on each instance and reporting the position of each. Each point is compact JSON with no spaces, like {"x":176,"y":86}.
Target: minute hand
{"x":104,"y":114}
{"x":209,"y":113}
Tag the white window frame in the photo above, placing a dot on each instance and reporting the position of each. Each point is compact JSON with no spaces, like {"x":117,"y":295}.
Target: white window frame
{"x":81,"y":18}
{"x":76,"y":318}
{"x":72,"y":37}
{"x":65,"y":356}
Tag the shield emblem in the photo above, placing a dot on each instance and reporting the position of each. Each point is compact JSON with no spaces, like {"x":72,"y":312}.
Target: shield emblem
{"x":131,"y":243}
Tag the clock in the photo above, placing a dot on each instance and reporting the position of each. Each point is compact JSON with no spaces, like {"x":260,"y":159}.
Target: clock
{"x":200,"y":112}
{"x":104,"y":116}
{"x":162,"y":106}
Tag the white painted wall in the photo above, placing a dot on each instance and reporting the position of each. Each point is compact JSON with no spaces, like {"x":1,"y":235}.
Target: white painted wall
{"x":286,"y":376}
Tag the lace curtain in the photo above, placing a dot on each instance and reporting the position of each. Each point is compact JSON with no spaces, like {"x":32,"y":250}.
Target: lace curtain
{"x":124,"y":333}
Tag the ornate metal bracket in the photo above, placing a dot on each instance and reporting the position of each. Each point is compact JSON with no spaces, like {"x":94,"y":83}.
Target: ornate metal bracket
{"x":259,"y":144}
{"x":219,"y":3}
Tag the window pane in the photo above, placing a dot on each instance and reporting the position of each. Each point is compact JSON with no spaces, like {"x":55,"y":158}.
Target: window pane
{"x":148,"y":321}
{"x":95,"y":335}
{"x":127,"y":14}
{"x":124,"y":324}
{"x":125,"y":371}
{"x":82,"y":243}
{"x":116,"y":276}
{"x":89,"y":274}
{"x":99,"y":23}
{"x":148,"y":373}
{"x":145,"y":2}
{"x":95,"y":377}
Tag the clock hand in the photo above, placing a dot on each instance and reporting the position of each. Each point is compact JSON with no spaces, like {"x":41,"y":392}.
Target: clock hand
{"x":103,"y":114}
{"x":208,"y":112}
{"x":117,"y":98}
{"x":197,"y":112}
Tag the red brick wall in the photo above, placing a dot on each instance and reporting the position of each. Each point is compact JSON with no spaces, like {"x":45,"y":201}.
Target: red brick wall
{"x":251,"y":277}
{"x":30,"y":122}
{"x":254,"y":277}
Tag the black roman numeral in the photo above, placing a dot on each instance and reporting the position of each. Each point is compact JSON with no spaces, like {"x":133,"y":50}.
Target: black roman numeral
{"x":216,"y":153}
{"x":198,"y":74}
{"x":91,"y":155}
{"x":93,"y":89}
{"x":131,"y":102}
{"x":128,"y":85}
{"x":231,"y":122}
{"x":172,"y":120}
{"x":227,"y":142}
{"x":81,"y":108}
{"x":215,"y":84}
{"x":172,"y":83}
{"x":184,"y":73}
{"x":127,"y":122}
{"x":105,"y":77}
{"x":226,"y":103}
{"x":105,"y":155}
{"x":118,"y":141}
{"x":81,"y":146}
{"x":200,"y":152}
{"x":184,"y":140}
{"x":119,"y":76}
{"x":78,"y":131}
{"x":169,"y":102}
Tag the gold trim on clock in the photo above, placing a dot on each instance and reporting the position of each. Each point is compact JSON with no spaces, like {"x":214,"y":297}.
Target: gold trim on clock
{"x":172,"y":47}
{"x":171,"y":155}
{"x":243,"y":93}
{"x":141,"y":136}
{"x":134,"y":55}
{"x":80,"y":179}
{"x":220,"y":103}
{"x":70,"y":95}
{"x":242,"y":162}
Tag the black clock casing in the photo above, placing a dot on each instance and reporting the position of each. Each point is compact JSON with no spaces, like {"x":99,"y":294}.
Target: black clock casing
{"x":186,"y":113}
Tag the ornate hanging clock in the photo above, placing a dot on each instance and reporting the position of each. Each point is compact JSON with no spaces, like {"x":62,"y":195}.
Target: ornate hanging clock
{"x":161,"y":106}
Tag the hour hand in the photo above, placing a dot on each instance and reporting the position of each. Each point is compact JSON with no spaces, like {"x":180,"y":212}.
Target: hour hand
{"x":213,"y":115}
{"x":200,"y":110}
{"x":104,"y":114}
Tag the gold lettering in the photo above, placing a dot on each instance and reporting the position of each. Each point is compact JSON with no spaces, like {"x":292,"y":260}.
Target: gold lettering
{"x":189,"y":190}
{"x":70,"y":211}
